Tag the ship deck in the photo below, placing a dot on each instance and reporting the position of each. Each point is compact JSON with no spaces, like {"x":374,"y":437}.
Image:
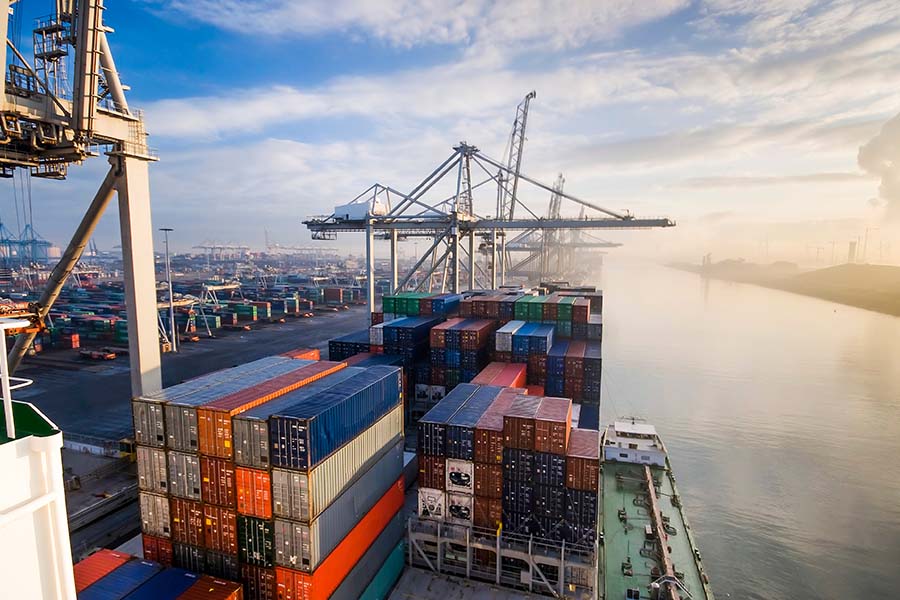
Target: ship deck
{"x":624,"y":534}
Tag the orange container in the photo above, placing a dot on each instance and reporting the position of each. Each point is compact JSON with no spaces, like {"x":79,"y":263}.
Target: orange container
{"x":220,"y":529}
{"x":210,"y":588}
{"x":254,"y":496}
{"x":321,"y":583}
{"x":214,"y":418}
{"x":96,"y":566}
{"x":489,"y":374}
{"x":157,"y":549}
{"x":303,"y":354}
{"x":217,"y":481}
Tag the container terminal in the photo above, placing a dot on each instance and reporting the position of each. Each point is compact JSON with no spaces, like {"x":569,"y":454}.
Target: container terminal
{"x":301,"y":424}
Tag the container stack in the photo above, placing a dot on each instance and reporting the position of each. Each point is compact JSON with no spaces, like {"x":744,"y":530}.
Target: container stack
{"x":459,"y":350}
{"x":281,"y":473}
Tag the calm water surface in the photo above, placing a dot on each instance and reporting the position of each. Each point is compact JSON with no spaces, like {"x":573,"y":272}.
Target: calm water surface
{"x":782,"y":418}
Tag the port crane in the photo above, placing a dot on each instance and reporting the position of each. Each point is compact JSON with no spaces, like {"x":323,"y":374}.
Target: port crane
{"x":51,"y":119}
{"x":450,"y":221}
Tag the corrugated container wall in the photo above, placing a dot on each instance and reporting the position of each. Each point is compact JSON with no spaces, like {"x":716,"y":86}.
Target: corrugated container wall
{"x":96,"y":566}
{"x":379,"y":568}
{"x":121,"y":580}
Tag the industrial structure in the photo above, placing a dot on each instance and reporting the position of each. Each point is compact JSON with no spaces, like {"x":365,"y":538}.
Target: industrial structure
{"x":452,"y":223}
{"x":52,"y":119}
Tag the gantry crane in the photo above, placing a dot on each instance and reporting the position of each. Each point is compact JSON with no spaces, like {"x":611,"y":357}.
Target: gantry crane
{"x":51,"y":119}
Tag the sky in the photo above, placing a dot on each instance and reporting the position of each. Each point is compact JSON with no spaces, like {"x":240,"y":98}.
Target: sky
{"x":763,"y":128}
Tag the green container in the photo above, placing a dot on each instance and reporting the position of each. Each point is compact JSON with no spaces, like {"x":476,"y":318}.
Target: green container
{"x":522,"y":307}
{"x":564,"y":309}
{"x":564,"y":329}
{"x":536,"y":309}
{"x":388,"y":304}
{"x":384,"y":580}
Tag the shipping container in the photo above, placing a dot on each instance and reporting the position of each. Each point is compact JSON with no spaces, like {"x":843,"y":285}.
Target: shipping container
{"x":488,"y":480}
{"x":304,"y":546}
{"x":250,"y":429}
{"x":552,"y":422}
{"x":488,"y":512}
{"x":550,"y":502}
{"x":489,"y":373}
{"x":217,"y":481}
{"x":254,"y":492}
{"x":187,"y":521}
{"x":460,"y":476}
{"x":191,"y":558}
{"x":214,"y":418}
{"x":157,"y":549}
{"x":432,"y":503}
{"x":518,"y":464}
{"x":303,"y":354}
{"x":220,"y":529}
{"x":582,"y":508}
{"x":305,"y":434}
{"x":121,"y":581}
{"x":460,"y":508}
{"x":549,"y":469}
{"x":301,"y":496}
{"x":152,"y":471}
{"x":166,"y":585}
{"x":259,"y":583}
{"x":503,"y":339}
{"x":210,"y":588}
{"x":155,"y":515}
{"x":223,"y":566}
{"x":518,"y":497}
{"x":513,"y":376}
{"x":256,"y":541}
{"x":297,"y":585}
{"x":433,"y":425}
{"x":185,"y":479}
{"x":460,"y":428}
{"x":489,"y":429}
{"x":375,"y":574}
{"x":518,"y":423}
{"x":583,"y":460}
{"x":96,"y":566}
{"x":432,"y":471}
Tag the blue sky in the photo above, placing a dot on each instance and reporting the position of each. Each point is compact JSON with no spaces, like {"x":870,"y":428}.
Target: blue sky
{"x":738,"y":118}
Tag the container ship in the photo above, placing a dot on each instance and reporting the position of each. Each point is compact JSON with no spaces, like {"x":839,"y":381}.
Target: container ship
{"x":457,"y":438}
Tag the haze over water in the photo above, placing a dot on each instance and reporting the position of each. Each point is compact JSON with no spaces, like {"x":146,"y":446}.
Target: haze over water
{"x":781,"y":414}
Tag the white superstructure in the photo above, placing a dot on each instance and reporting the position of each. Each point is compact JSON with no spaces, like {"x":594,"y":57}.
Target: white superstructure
{"x":628,"y":441}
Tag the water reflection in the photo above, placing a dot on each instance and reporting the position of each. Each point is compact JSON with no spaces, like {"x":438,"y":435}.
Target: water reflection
{"x":782,"y":414}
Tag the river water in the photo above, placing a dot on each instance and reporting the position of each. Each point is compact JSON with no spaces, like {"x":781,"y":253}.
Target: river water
{"x":781,"y":414}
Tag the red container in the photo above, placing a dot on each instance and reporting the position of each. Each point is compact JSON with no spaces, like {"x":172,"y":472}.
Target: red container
{"x":432,"y":471}
{"x":492,"y":307}
{"x":513,"y":376}
{"x":505,"y":357}
{"x":254,"y":492}
{"x":518,"y":423}
{"x":98,"y":565}
{"x":220,"y":529}
{"x":217,"y":481}
{"x":475,"y":336}
{"x":552,"y":423}
{"x":376,"y":349}
{"x":537,"y":369}
{"x":489,"y":374}
{"x":187,"y":521}
{"x":489,"y":429}
{"x":357,"y":358}
{"x":550,"y":308}
{"x":437,"y":336}
{"x":438,"y":376}
{"x":377,"y":318}
{"x":259,"y":583}
{"x":157,"y":549}
{"x":466,"y":308}
{"x":214,"y":418}
{"x":580,"y":310}
{"x":583,"y":460}
{"x":489,"y":480}
{"x":488,"y":512}
{"x":303,"y":354}
{"x":333,"y":294}
{"x":210,"y":588}
{"x":321,"y":583}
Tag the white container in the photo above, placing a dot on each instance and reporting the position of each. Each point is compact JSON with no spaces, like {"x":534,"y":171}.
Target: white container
{"x":302,"y":496}
{"x":152,"y":470}
{"x":460,"y":508}
{"x":431,"y":504}
{"x":376,"y":334}
{"x":505,"y":334}
{"x":460,"y":476}
{"x":36,"y":554}
{"x":155,"y":515}
{"x":357,"y":211}
{"x":184,"y":475}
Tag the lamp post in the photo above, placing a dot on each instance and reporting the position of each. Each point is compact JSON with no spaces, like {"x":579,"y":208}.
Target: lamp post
{"x":172,"y":328}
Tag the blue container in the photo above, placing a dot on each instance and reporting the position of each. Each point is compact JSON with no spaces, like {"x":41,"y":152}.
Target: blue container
{"x":304,"y":435}
{"x":122,"y":581}
{"x":380,"y":359}
{"x":438,"y":357}
{"x":550,"y":469}
{"x":556,"y":360}
{"x":518,"y":497}
{"x":168,"y":585}
{"x":445,"y":304}
{"x":453,"y":359}
{"x":554,"y":386}
{"x":518,"y":465}
{"x":541,"y":340}
{"x":589,"y":417}
{"x":550,"y":502}
{"x":581,"y":508}
{"x":460,"y":431}
{"x":433,"y":425}
{"x":521,"y":344}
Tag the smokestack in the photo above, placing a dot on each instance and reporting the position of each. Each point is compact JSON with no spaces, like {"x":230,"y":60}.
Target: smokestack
{"x":880,"y":156}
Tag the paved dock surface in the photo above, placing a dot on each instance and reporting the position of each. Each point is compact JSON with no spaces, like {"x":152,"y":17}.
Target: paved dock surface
{"x":94,"y":399}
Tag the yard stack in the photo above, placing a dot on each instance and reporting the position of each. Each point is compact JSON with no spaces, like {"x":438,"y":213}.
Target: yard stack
{"x":281,"y":473}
